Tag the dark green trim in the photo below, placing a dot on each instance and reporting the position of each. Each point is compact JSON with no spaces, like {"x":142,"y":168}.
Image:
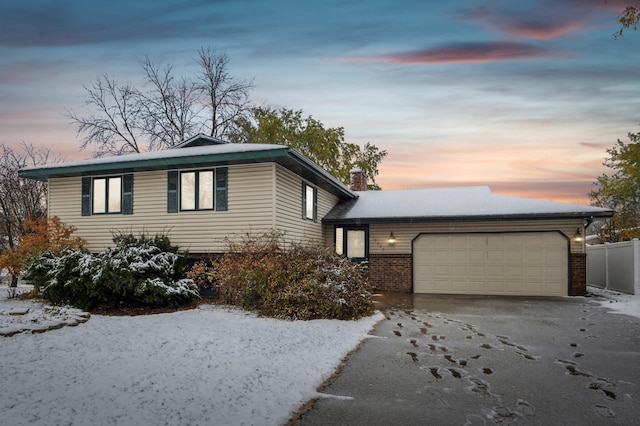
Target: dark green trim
{"x":172,"y":191}
{"x":127,"y":193}
{"x":86,"y":196}
{"x":154,"y":164}
{"x":496,"y":218}
{"x":222,"y":185}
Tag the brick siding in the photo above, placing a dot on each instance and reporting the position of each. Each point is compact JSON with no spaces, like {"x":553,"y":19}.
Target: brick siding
{"x":358,"y":181}
{"x":390,"y":272}
{"x":578,"y":285}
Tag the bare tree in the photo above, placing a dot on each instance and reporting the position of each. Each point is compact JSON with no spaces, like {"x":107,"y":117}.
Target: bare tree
{"x":116,"y":126}
{"x":170,"y":109}
{"x":227,"y":97}
{"x":19,"y":198}
{"x":165,"y":110}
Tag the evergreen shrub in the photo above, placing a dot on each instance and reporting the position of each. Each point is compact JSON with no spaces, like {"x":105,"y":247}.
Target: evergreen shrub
{"x":139,"y":271}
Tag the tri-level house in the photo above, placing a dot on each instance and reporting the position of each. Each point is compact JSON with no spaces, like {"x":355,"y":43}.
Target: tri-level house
{"x":451,"y":240}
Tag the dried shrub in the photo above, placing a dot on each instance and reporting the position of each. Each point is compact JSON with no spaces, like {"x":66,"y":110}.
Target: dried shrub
{"x":294,"y":281}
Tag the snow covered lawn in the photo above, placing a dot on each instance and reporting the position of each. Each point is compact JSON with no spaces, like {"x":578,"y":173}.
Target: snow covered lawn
{"x":211,"y":365}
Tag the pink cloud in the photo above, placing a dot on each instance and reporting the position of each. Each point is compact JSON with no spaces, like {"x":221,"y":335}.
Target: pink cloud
{"x":546,"y":20}
{"x":539,"y":30}
{"x":465,"y":53}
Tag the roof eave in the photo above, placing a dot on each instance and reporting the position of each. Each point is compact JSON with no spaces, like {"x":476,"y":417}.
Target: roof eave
{"x":287,"y":157}
{"x":470,"y":218}
{"x":338,"y":187}
{"x":154,"y":164}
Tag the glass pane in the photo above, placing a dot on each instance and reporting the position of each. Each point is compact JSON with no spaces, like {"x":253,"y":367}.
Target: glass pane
{"x":355,"y":244}
{"x":339,"y":240}
{"x":99,"y":195}
{"x":205,"y":190}
{"x":115,"y":194}
{"x":308,"y":209}
{"x":188,"y":191}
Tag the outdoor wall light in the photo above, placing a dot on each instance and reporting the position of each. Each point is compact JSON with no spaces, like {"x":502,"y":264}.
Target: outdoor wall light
{"x":578,"y":235}
{"x":391,"y":239}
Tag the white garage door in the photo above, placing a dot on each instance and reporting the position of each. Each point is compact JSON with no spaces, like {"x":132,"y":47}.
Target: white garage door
{"x":521,"y":263}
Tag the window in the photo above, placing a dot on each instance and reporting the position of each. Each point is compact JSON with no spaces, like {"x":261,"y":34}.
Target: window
{"x":340,"y":241}
{"x":107,"y":195}
{"x":309,"y":202}
{"x":197,"y":190}
{"x":352,"y":242}
{"x":356,"y":243}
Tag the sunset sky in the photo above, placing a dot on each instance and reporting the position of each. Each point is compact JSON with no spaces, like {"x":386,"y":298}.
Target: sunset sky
{"x":523,"y":96}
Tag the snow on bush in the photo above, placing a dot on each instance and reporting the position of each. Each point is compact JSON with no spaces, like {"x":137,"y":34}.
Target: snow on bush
{"x":293,"y":281}
{"x":138,"y":271}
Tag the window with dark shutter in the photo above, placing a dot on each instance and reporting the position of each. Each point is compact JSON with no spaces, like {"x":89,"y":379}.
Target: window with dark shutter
{"x":107,"y":195}
{"x":197,"y":190}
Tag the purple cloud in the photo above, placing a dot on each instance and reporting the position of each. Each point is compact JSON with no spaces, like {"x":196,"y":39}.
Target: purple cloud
{"x":465,"y":53}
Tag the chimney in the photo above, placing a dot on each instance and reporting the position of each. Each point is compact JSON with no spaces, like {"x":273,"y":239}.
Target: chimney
{"x":358,"y":181}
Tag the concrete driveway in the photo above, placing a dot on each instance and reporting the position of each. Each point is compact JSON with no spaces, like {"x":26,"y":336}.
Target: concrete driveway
{"x":458,"y":360}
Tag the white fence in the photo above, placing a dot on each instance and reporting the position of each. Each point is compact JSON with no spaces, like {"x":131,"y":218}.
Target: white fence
{"x":615,"y":266}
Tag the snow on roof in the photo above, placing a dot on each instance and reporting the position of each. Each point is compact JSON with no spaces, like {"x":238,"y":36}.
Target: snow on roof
{"x":166,"y":154}
{"x":460,"y":202}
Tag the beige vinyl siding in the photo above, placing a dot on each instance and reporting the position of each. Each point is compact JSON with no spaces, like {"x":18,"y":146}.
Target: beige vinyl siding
{"x":288,"y":207}
{"x":329,"y":233}
{"x":250,"y":209}
{"x":405,"y":233}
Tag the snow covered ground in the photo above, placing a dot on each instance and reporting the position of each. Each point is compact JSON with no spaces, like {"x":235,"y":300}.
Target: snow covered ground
{"x":621,"y":303}
{"x":211,"y":365}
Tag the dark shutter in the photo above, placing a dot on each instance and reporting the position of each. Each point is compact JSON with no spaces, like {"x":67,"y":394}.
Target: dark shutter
{"x":127,"y":194}
{"x":222,"y":189}
{"x":172,"y":191}
{"x":86,"y":196}
{"x":315,"y":204}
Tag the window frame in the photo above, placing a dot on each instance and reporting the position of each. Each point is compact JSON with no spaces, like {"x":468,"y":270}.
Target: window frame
{"x":344,"y":249}
{"x":89,"y":194}
{"x":309,"y":203}
{"x":219,"y":190}
{"x":197,"y":190}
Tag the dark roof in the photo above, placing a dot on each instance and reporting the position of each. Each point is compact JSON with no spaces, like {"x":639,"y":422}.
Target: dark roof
{"x":456,"y":204}
{"x":201,"y":151}
{"x":199,"y":140}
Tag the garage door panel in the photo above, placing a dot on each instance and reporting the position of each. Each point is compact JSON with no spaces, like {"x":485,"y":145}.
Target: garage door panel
{"x":475,"y":256}
{"x":521,"y":263}
{"x":494,"y":255}
{"x":473,"y":241}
